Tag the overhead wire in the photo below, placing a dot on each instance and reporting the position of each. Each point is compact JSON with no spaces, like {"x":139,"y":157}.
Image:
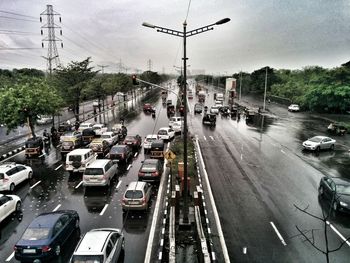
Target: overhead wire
{"x":16,"y":14}
{"x":21,"y":19}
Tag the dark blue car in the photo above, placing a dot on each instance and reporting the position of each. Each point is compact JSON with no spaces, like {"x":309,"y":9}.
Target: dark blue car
{"x":45,"y":236}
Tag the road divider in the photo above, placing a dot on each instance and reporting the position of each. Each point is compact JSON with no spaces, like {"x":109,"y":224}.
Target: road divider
{"x":78,"y":185}
{"x":35,"y":184}
{"x":10,"y":257}
{"x":278,"y":233}
{"x":104,"y":210}
{"x":58,"y":167}
{"x":56,"y":208}
{"x":338,"y":233}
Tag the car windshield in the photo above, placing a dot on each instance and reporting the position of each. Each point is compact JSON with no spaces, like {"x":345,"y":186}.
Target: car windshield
{"x":148,"y":167}
{"x":343,"y":189}
{"x":129,"y":138}
{"x":162,"y":132}
{"x":105,"y":136}
{"x":74,"y":158}
{"x":315,"y":139}
{"x":131,"y":194}
{"x":84,"y":125}
{"x":67,"y":143}
{"x":87,"y":259}
{"x":36,"y":233}
{"x":117,"y":150}
{"x":2,"y":176}
{"x":150,"y":139}
{"x":93,"y":171}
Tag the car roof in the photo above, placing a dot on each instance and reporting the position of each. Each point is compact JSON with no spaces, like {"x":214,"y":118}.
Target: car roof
{"x":79,"y":151}
{"x":98,"y":163}
{"x":108,"y":133}
{"x":89,"y":244}
{"x":7,"y":166}
{"x":150,"y":161}
{"x":320,"y":137}
{"x":164,"y":128}
{"x":119,"y":146}
{"x":86,"y":123}
{"x":98,"y":124}
{"x":149,"y":136}
{"x":45,"y":220}
{"x":136,"y":185}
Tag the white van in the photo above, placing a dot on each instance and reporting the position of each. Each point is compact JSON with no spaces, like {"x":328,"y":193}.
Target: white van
{"x":77,"y":160}
{"x":99,"y":173}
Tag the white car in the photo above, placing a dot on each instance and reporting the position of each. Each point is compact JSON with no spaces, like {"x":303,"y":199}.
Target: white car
{"x":44,"y":119}
{"x":84,"y":125}
{"x":166,"y":133}
{"x":177,"y":126}
{"x":294,"y":107}
{"x":110,"y":137}
{"x":319,"y":143}
{"x":214,"y":109}
{"x":148,"y":141}
{"x":12,"y":174}
{"x":175,"y":119}
{"x":99,"y":128}
{"x":8,"y":205}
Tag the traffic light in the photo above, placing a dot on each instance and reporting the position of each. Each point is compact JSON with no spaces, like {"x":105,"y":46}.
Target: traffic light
{"x":134,"y":80}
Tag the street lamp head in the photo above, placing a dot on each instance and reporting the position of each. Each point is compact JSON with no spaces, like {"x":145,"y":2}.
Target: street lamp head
{"x":148,"y":25}
{"x":222,"y":21}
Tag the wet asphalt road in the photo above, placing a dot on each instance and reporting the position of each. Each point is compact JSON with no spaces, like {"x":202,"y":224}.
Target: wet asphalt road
{"x":53,"y":188}
{"x":258,"y":173}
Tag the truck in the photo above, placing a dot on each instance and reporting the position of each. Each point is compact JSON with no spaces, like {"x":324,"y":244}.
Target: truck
{"x":220,"y":96}
{"x":201,"y":96}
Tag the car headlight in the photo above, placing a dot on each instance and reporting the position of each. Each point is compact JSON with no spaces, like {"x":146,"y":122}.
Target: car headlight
{"x":343,"y":203}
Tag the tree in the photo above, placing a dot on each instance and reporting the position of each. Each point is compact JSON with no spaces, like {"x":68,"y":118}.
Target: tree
{"x":258,"y":79}
{"x":72,"y":80}
{"x":22,"y":102}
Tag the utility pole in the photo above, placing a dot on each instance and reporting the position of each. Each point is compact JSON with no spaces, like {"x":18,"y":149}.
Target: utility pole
{"x":102,"y":68}
{"x":240,"y":85}
{"x":149,"y":65}
{"x":265,"y":89}
{"x":52,"y":53}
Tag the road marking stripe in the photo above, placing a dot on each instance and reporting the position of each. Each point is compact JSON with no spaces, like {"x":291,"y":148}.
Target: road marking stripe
{"x":135,"y":154}
{"x":118,"y":184}
{"x":338,"y":233}
{"x":278,"y":233}
{"x":204,"y":138}
{"x":283,"y":152}
{"x":128,"y":167}
{"x":211,"y":137}
{"x":241,"y":157}
{"x":10,"y":257}
{"x":56,"y":208}
{"x":41,"y":155}
{"x":58,"y":167}
{"x":35,"y":184}
{"x":104,"y":209}
{"x":79,"y":185}
{"x":244,"y":250}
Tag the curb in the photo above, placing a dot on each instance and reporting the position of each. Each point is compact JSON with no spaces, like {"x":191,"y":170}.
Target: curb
{"x":11,"y":153}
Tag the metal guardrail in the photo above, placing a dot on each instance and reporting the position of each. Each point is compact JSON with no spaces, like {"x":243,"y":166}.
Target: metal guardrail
{"x":172,"y":244}
{"x":204,"y":255}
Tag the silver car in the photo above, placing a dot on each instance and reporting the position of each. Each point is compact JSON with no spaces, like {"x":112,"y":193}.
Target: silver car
{"x":319,"y":143}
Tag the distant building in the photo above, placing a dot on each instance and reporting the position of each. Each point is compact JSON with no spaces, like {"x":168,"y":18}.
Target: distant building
{"x":198,"y":72}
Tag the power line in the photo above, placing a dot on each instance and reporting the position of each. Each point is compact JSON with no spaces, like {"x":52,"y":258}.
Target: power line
{"x":21,"y":19}
{"x":16,"y":14}
{"x":188,"y":9}
{"x":16,"y":48}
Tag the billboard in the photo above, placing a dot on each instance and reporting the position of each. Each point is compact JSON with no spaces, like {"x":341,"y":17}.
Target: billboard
{"x":230,"y":90}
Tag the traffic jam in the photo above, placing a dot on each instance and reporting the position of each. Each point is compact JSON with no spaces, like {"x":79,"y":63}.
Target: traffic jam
{"x":85,"y":182}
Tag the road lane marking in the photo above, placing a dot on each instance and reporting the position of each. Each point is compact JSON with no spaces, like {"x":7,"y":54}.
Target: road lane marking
{"x":41,"y":155}
{"x":244,"y":250}
{"x":10,"y":257}
{"x":56,"y":208}
{"x":283,"y":151}
{"x":118,"y":184}
{"x":104,"y":209}
{"x":128,"y":167}
{"x":58,"y":167}
{"x":135,"y":154}
{"x":241,"y":157}
{"x":205,"y":138}
{"x":338,"y":233}
{"x":79,"y":185}
{"x":278,"y":233}
{"x":35,"y":184}
{"x":211,"y":137}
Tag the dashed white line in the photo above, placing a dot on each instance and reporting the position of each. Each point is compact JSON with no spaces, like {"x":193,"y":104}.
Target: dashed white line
{"x":338,"y":233}
{"x":128,"y":167}
{"x":278,"y":233}
{"x":10,"y":257}
{"x":79,"y":185}
{"x":104,"y":209}
{"x":41,"y":155}
{"x":58,"y":167}
{"x":283,"y":151}
{"x":244,"y":250}
{"x":35,"y":184}
{"x":211,"y":137}
{"x":118,"y":184}
{"x":136,"y":154}
{"x":204,"y":138}
{"x":241,"y":157}
{"x":56,"y":208}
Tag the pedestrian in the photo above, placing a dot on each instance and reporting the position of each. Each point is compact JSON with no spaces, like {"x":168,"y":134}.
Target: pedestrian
{"x":68,"y":122}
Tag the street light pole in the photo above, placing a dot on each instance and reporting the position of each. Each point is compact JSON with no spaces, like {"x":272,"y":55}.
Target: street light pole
{"x":184,"y":35}
{"x":265,"y":89}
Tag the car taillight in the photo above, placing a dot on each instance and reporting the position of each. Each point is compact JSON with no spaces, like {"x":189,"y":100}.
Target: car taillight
{"x":141,"y":173}
{"x":123,"y":200}
{"x":5,"y":179}
{"x":123,"y":155}
{"x":155,"y":174}
{"x":144,"y":200}
{"x":45,"y":249}
{"x":135,"y":142}
{"x":15,"y":248}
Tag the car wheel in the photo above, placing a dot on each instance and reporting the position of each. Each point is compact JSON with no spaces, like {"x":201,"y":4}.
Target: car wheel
{"x":320,"y":191}
{"x":318,"y":149}
{"x":57,"y":250}
{"x":335,"y":206}
{"x":332,"y":147}
{"x":18,"y":206}
{"x":30,"y":175}
{"x":12,"y":187}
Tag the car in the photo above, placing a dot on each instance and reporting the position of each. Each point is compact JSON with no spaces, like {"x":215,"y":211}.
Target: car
{"x":198,"y":108}
{"x":110,"y":137}
{"x":190,"y":94}
{"x":44,"y":119}
{"x":148,"y":141}
{"x":33,"y":146}
{"x":78,"y":159}
{"x":109,"y":248}
{"x":8,"y":205}
{"x":137,"y":196}
{"x":100,"y":146}
{"x":134,"y":141}
{"x":99,"y":173}
{"x":177,"y":126}
{"x":151,"y":170}
{"x":337,"y":191}
{"x":46,"y":235}
{"x":175,"y":119}
{"x":85,"y":125}
{"x":166,"y":133}
{"x":12,"y":174}
{"x":209,"y":119}
{"x":121,"y":153}
{"x":147,"y":107}
{"x":214,"y":109}
{"x":317,"y":143}
{"x":219,"y":103}
{"x":337,"y":129}
{"x":293,"y":108}
{"x":169,"y":102}
{"x":99,"y":128}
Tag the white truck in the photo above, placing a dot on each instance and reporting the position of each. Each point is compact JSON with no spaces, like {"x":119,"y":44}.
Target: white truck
{"x":220,"y":96}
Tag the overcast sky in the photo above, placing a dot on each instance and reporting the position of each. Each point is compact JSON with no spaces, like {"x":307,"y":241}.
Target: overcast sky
{"x":278,"y":33}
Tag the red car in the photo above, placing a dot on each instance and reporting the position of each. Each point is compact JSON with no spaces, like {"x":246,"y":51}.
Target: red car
{"x":147,"y":107}
{"x":134,"y":141}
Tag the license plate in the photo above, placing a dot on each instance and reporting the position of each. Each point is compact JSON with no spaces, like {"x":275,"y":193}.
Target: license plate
{"x":129,"y":143}
{"x":148,"y":174}
{"x":133,"y":203}
{"x":29,"y":251}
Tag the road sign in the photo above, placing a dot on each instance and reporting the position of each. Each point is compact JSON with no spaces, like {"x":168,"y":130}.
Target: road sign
{"x":169,"y":155}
